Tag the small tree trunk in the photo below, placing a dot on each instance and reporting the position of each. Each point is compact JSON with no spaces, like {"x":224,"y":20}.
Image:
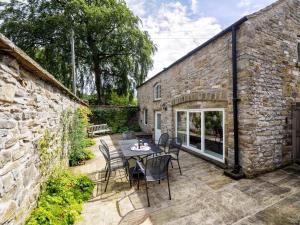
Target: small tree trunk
{"x":98,"y":82}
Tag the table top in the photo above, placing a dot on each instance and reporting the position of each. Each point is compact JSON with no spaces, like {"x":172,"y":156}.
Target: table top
{"x":126,"y":145}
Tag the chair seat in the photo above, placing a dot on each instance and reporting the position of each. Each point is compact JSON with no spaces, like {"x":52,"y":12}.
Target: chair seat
{"x":115,"y":155}
{"x":152,"y":174}
{"x":118,"y":164}
{"x":173,"y":155}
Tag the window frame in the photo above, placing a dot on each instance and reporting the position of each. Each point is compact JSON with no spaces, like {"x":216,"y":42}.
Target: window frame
{"x":155,"y":92}
{"x":202,"y":150}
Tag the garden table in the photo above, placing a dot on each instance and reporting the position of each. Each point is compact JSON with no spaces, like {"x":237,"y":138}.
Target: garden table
{"x":126,"y":145}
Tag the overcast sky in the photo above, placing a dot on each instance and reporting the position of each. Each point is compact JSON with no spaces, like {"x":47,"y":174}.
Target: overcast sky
{"x":178,"y":26}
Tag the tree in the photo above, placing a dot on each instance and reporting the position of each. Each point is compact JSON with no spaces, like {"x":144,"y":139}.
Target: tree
{"x":109,"y":42}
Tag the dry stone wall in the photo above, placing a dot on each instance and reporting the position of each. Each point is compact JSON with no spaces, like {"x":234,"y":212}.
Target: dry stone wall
{"x":33,"y":118}
{"x":272,"y":36}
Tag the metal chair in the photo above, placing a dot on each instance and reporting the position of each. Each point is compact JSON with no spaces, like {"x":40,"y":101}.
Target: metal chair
{"x":155,"y":169}
{"x":127,"y":135}
{"x":174,"y":149}
{"x":113,"y":165}
{"x":163,"y":141}
{"x":113,"y":154}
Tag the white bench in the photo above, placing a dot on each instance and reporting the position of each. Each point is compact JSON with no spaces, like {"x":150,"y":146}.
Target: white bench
{"x":98,"y":129}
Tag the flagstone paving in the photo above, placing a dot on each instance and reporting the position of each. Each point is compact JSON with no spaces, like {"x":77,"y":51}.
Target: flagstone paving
{"x":202,"y":195}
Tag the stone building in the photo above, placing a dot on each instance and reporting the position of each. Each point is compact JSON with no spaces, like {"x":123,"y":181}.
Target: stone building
{"x":233,"y":100}
{"x":32,"y":104}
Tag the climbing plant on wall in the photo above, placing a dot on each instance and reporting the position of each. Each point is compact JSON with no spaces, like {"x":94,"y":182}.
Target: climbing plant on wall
{"x":78,"y":137}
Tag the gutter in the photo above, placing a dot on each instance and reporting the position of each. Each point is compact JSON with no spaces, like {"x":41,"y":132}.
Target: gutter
{"x":236,"y":173}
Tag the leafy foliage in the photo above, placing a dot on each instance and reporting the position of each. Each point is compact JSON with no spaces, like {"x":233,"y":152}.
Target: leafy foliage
{"x":118,"y":119}
{"x":78,"y":137}
{"x":60,"y":202}
{"x":112,"y":99}
{"x":109,"y":43}
{"x":122,"y":100}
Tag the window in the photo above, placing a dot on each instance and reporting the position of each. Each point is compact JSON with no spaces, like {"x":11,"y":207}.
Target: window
{"x":201,"y":130}
{"x":157,"y":92}
{"x":181,"y":126}
{"x":145,"y":116}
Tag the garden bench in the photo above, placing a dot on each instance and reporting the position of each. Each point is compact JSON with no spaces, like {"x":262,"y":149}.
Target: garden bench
{"x":98,"y":129}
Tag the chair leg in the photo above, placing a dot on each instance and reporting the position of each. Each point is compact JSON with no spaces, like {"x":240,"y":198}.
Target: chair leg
{"x":107,"y":181}
{"x":179,"y":166}
{"x":147,"y":193}
{"x":138,"y":184}
{"x":128,"y":174}
{"x":106,"y":174}
{"x":169,"y":187}
{"x":171,"y":163}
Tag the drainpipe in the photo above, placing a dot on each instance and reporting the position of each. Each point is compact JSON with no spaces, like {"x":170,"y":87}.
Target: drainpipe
{"x":237,"y":166}
{"x":236,"y":173}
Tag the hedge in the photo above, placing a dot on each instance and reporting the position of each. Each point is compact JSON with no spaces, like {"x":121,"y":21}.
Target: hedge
{"x":118,"y":119}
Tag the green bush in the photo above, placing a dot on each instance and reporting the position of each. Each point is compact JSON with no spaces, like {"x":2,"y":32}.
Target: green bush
{"x":89,"y":142}
{"x":118,"y":119}
{"x":61,"y":201}
{"x":78,"y":138}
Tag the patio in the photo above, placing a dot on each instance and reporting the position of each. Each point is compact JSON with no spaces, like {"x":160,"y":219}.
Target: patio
{"x":202,"y":195}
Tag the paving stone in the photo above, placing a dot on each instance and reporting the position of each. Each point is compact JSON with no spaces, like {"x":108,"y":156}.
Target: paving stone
{"x":202,"y":195}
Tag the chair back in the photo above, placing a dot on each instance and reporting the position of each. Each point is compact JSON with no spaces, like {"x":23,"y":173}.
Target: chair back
{"x":105,"y":155}
{"x":163,"y":140}
{"x":157,"y":167}
{"x":104,"y":143}
{"x":127,"y":135}
{"x":175,"y":145}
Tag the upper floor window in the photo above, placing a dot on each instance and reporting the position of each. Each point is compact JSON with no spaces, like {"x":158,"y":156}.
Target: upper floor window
{"x":157,"y":91}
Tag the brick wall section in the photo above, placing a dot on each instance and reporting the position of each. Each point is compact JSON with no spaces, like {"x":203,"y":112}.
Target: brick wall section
{"x":28,"y":106}
{"x":268,"y":86}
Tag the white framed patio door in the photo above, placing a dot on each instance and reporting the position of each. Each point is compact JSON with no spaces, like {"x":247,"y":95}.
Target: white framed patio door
{"x":202,"y":131}
{"x":157,"y":124}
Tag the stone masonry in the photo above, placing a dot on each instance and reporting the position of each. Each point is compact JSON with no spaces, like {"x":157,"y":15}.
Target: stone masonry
{"x":268,"y":87}
{"x":31,"y":102}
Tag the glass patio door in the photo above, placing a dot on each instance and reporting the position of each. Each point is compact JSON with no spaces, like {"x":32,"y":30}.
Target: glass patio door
{"x":195,"y":130}
{"x":201,"y":130}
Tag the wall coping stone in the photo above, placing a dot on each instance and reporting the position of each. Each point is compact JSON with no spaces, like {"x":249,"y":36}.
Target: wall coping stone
{"x":29,"y":64}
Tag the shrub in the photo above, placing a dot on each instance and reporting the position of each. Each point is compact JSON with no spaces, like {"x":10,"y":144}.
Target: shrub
{"x":118,"y":119}
{"x":78,"y":137}
{"x":61,"y":200}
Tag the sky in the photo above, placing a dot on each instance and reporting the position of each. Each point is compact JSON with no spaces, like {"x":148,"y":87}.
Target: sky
{"x":179,"y":26}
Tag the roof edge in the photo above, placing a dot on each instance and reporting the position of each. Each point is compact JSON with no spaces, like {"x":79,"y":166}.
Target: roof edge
{"x":31,"y":65}
{"x":223,"y":32}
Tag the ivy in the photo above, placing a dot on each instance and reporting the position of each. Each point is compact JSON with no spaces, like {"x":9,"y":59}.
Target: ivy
{"x":43,"y":147}
{"x":78,"y":137}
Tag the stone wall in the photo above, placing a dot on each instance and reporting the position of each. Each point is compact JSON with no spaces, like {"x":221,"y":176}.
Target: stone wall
{"x":31,"y":108}
{"x":268,"y":86}
{"x":202,"y":80}
{"x":272,"y":36}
